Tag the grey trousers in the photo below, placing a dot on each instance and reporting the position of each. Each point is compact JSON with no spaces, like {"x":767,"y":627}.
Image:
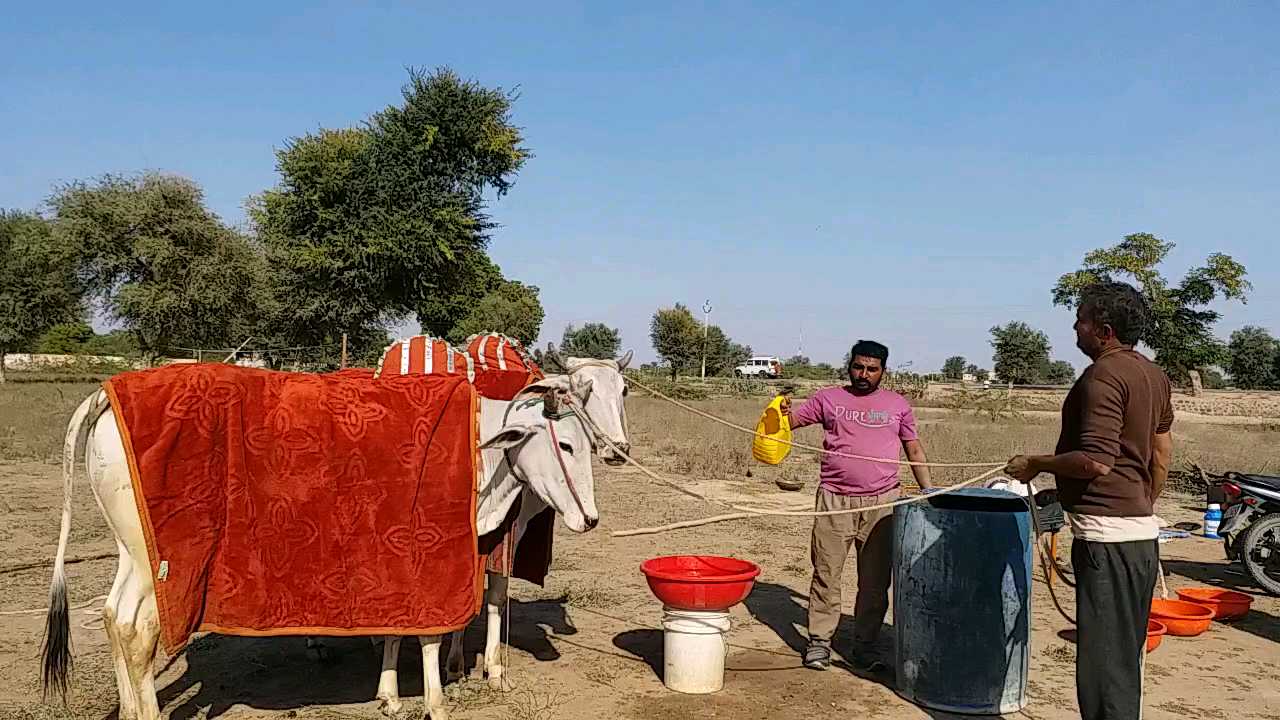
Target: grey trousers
{"x":1114,"y":586}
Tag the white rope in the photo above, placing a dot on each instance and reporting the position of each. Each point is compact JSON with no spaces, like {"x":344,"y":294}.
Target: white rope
{"x":94,"y":621}
{"x":802,"y":446}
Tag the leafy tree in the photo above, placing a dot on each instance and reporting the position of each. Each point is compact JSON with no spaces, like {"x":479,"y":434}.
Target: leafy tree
{"x":953,"y":368}
{"x":723,"y":354}
{"x":512,"y":309}
{"x":592,"y":340}
{"x":1060,"y":372}
{"x":677,"y":338}
{"x":1253,"y":357}
{"x":974,"y":370}
{"x":373,"y":223}
{"x":1021,"y":353}
{"x":39,"y":287}
{"x":1182,"y":328}
{"x":161,"y":264}
{"x":69,"y":338}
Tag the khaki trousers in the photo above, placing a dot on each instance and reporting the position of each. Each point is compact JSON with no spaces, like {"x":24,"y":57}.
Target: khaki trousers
{"x":871,"y":535}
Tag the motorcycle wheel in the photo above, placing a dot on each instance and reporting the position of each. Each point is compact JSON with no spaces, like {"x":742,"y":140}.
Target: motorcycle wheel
{"x":1260,"y":553}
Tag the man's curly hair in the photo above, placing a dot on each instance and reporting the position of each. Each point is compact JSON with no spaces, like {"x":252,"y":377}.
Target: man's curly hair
{"x":1119,"y":305}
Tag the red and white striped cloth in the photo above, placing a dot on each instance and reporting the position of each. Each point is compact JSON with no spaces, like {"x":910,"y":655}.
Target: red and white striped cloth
{"x":494,"y":351}
{"x":423,"y":354}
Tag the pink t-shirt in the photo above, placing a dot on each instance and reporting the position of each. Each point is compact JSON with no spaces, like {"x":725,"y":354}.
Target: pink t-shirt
{"x":872,"y":425}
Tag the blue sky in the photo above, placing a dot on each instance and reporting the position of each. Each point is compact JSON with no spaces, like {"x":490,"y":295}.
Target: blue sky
{"x":842,"y":170}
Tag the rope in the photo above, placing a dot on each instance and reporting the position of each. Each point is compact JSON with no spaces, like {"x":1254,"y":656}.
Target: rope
{"x":749,"y":512}
{"x":94,"y":622}
{"x":47,"y":563}
{"x":802,"y":446}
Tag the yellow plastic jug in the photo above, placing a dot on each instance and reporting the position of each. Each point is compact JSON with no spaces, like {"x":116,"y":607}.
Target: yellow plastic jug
{"x":772,"y":428}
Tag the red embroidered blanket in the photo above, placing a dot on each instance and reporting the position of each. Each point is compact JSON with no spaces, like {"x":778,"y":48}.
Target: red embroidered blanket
{"x":297,"y":504}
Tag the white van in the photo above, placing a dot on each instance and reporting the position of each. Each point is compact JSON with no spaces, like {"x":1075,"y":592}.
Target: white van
{"x":761,"y":366}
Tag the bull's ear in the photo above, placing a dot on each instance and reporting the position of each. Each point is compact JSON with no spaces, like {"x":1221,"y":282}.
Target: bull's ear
{"x":624,"y":361}
{"x":508,"y":437}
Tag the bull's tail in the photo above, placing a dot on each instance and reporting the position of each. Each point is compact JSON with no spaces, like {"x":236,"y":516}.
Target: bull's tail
{"x":56,"y":649}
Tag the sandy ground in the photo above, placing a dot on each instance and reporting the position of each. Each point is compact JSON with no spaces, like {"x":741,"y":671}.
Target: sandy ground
{"x":587,"y":645}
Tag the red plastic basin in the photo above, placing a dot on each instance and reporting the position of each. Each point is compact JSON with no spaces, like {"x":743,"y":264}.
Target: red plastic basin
{"x":1155,"y":633}
{"x":1225,"y":604}
{"x":699,"y":582}
{"x":1181,"y":618}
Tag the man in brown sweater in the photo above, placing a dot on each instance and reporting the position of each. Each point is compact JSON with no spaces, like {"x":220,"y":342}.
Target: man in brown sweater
{"x":1110,"y":464}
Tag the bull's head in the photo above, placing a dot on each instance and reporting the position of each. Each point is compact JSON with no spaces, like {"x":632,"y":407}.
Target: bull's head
{"x":549,"y":449}
{"x":603,"y":390}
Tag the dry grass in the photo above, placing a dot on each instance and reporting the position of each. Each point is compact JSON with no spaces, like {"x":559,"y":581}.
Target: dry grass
{"x":689,"y":446}
{"x":533,"y":705}
{"x":33,"y":418}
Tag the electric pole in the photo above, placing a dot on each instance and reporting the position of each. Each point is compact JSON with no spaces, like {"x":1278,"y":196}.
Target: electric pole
{"x":706,"y":319}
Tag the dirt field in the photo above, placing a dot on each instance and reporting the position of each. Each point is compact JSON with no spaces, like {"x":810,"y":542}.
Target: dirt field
{"x":587,"y":645}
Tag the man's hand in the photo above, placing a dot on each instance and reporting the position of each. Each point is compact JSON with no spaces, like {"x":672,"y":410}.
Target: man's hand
{"x":1021,"y":468}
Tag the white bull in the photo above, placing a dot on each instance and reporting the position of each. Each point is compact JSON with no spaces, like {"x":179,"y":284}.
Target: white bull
{"x":600,"y":386}
{"x":518,"y":453}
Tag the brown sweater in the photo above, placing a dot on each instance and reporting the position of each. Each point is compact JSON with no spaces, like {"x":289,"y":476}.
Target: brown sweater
{"x":1112,"y":414}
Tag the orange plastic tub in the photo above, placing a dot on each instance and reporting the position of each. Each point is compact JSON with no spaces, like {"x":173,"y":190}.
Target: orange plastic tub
{"x":1225,"y":604}
{"x":1181,"y":618}
{"x":1155,"y":633}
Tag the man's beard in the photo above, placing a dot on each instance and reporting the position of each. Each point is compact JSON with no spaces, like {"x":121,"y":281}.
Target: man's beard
{"x":864,"y":386}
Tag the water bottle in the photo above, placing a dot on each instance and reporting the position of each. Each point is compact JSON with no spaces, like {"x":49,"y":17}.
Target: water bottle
{"x":1212,"y":519}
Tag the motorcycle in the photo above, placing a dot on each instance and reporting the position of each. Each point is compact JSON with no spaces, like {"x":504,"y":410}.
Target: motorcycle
{"x":1250,"y":527}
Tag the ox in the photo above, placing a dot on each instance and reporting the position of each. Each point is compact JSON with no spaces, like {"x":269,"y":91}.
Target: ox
{"x":601,"y":388}
{"x":518,"y":455}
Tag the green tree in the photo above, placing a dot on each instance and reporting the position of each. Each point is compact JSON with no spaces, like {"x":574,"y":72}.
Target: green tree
{"x":371,"y":224}
{"x":723,"y":354}
{"x":512,"y":309}
{"x":1021,"y":353}
{"x":68,"y":338}
{"x":39,"y":286}
{"x":1253,"y":357}
{"x":161,"y":264}
{"x":975,"y":371}
{"x":1182,"y":330}
{"x":677,"y":338}
{"x":592,"y":340}
{"x":953,"y":368}
{"x":1060,"y":372}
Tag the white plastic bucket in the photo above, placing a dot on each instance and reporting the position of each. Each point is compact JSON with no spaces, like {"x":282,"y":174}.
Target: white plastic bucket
{"x":693,"y":650}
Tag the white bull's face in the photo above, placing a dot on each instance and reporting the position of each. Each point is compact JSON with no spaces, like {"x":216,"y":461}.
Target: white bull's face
{"x":604,"y":388}
{"x":552,"y":455}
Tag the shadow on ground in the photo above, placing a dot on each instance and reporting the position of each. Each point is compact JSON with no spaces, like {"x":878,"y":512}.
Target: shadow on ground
{"x":280,"y":673}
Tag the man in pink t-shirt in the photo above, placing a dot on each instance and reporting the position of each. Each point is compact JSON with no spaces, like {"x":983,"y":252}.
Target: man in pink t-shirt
{"x":859,"y":419}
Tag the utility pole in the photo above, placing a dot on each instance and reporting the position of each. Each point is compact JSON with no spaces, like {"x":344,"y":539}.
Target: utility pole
{"x":706,"y":319}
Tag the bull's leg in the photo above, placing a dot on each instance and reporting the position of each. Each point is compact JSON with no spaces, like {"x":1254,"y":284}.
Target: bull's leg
{"x":495,"y":601}
{"x":136,"y":626}
{"x":455,"y":665}
{"x":124,"y":687}
{"x":432,"y":690}
{"x":389,"y":681}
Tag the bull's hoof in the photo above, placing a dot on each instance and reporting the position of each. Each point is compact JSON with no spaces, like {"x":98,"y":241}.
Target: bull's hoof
{"x":438,"y":713}
{"x":500,"y":683}
{"x":390,"y":706}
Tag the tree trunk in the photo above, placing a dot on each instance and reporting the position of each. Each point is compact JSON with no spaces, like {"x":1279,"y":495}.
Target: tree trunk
{"x":674,"y":370}
{"x":2,"y":378}
{"x":1197,"y":387}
